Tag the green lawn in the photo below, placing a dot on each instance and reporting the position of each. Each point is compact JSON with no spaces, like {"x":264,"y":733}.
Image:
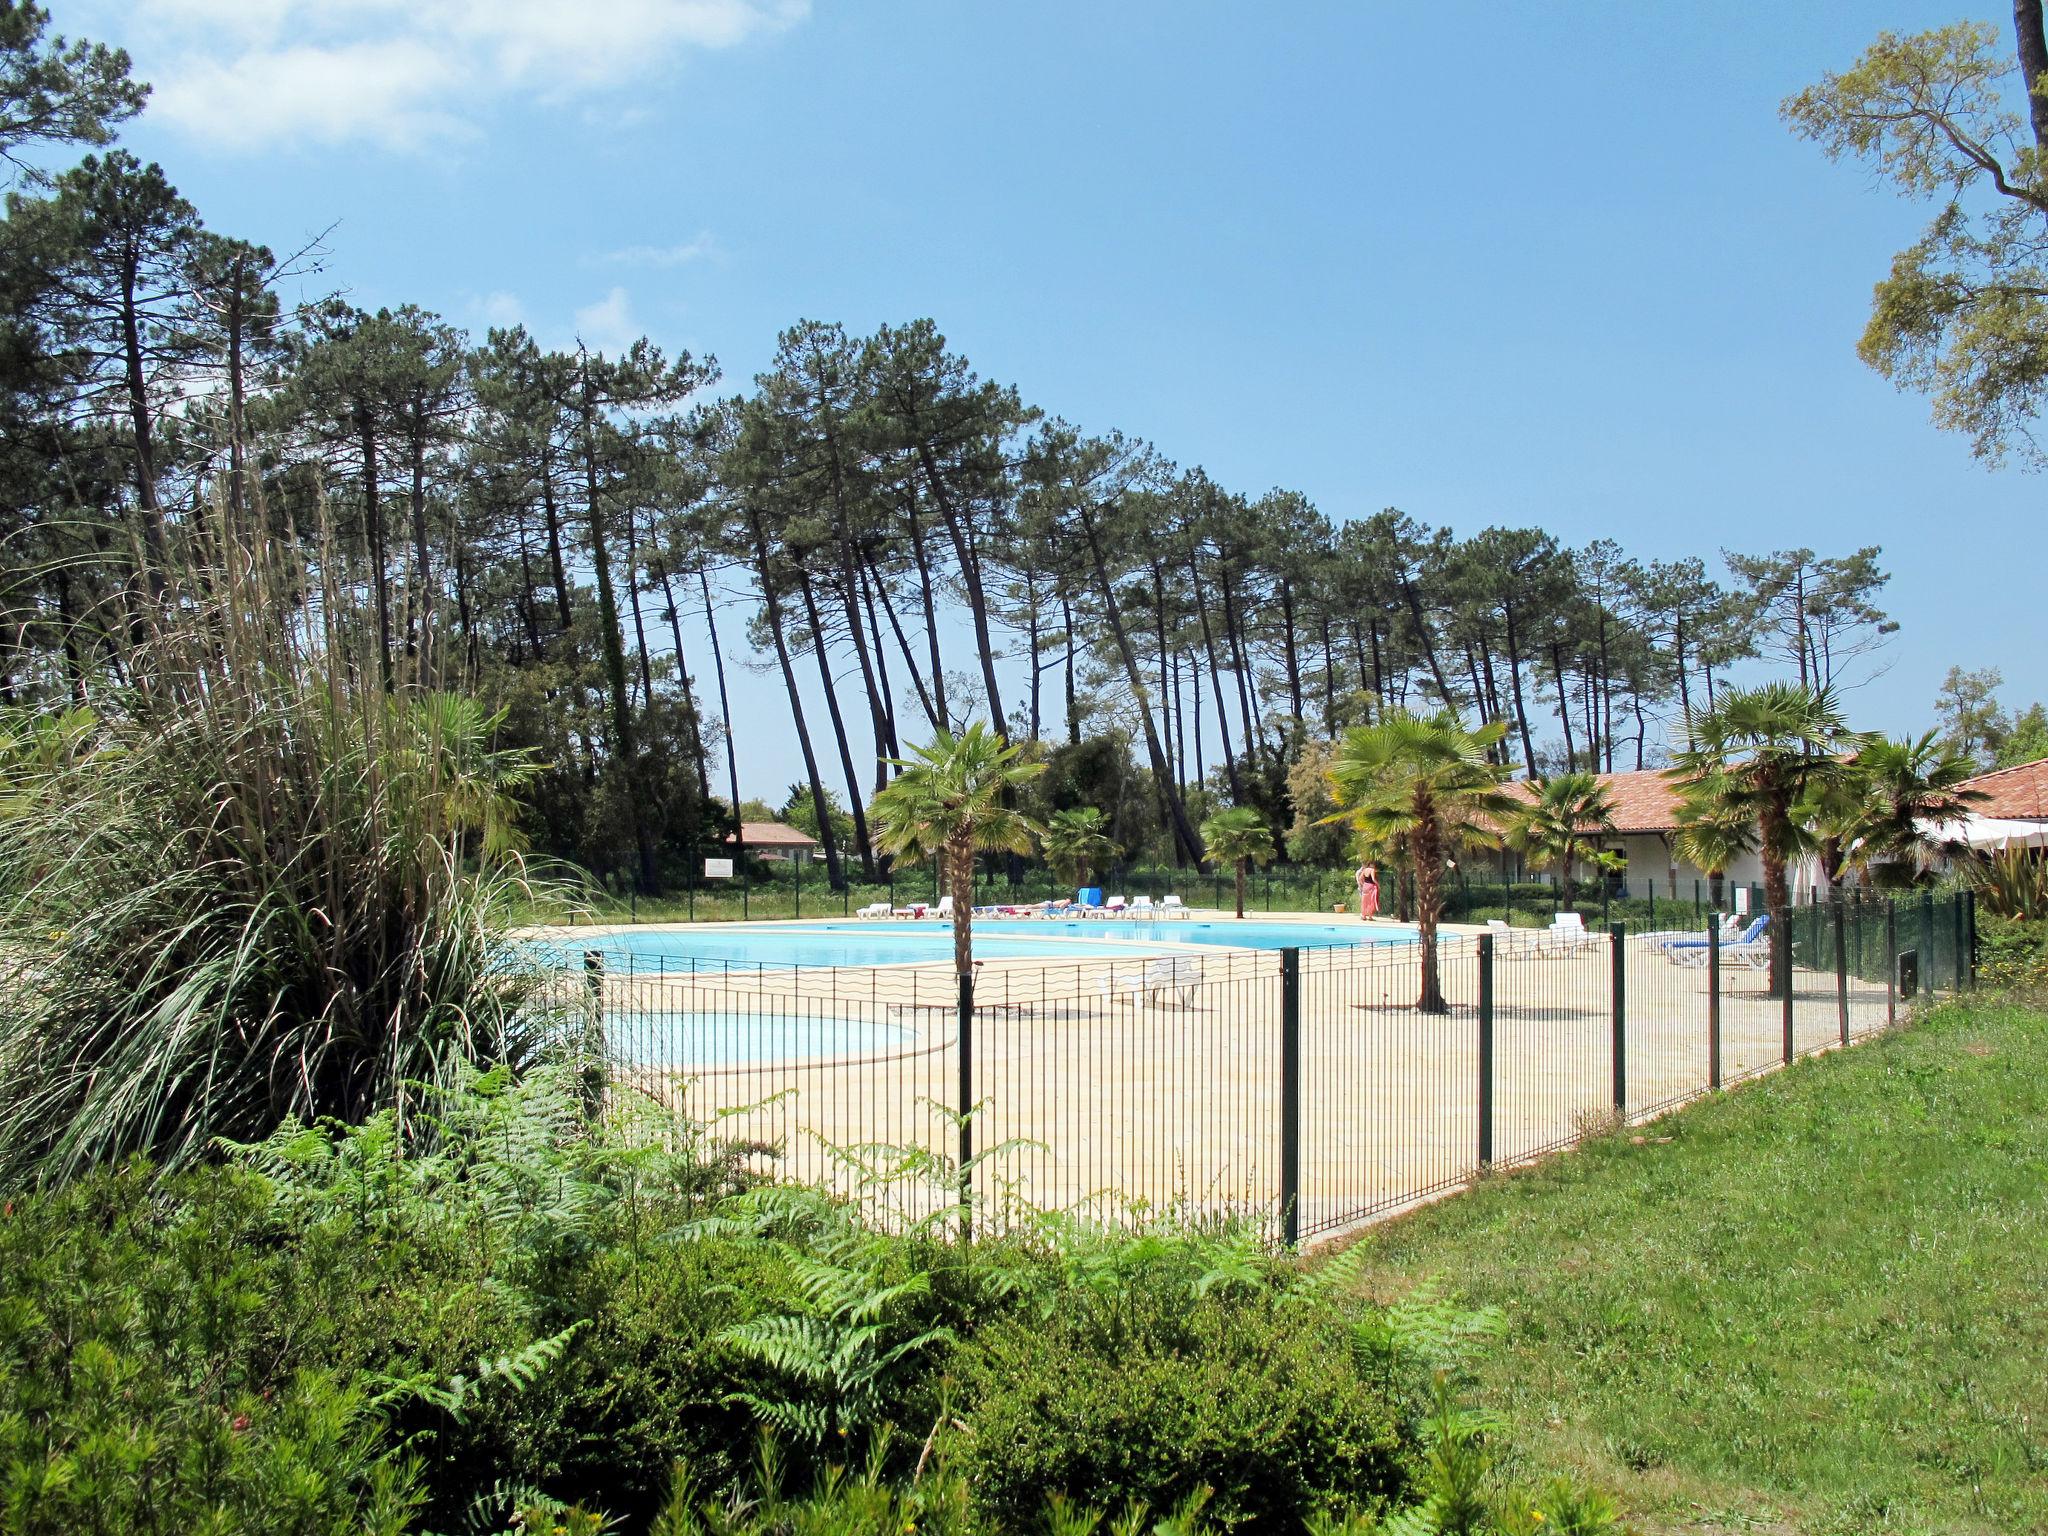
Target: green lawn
{"x":1816,"y":1304}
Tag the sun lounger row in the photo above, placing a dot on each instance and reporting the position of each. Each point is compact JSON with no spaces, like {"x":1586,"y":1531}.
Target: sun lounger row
{"x":1142,"y":908}
{"x":1687,"y":947}
{"x":1567,"y":935}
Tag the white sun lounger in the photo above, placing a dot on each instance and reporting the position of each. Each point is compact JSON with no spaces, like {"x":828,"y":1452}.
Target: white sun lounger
{"x":1170,"y":977}
{"x":1141,"y":906}
{"x":1749,"y":950}
{"x":1565,"y":936}
{"x":873,"y":909}
{"x":1172,"y":907}
{"x":1511,"y":943}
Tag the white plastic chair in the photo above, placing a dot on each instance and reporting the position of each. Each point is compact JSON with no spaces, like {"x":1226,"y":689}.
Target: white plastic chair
{"x":1114,"y":907}
{"x":1141,"y":906}
{"x":944,"y":908}
{"x":1172,"y":907}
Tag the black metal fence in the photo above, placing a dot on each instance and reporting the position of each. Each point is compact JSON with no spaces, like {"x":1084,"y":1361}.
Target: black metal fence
{"x":1305,"y":1089}
{"x":801,"y":888}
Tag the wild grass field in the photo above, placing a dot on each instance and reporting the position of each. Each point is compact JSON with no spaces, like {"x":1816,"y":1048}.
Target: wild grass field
{"x":1816,"y":1305}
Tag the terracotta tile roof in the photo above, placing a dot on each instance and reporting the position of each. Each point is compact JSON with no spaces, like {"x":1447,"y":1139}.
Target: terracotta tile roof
{"x":773,"y":834}
{"x":1643,"y":802}
{"x":2019,"y":793}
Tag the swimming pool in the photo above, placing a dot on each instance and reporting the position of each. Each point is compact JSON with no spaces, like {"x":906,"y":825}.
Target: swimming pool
{"x":742,"y":1038}
{"x":716,"y":946}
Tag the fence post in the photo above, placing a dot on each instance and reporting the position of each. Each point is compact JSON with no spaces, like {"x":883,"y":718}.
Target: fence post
{"x":1290,"y":1097}
{"x":1841,"y":969}
{"x":1486,"y":1050}
{"x":1713,"y":1000}
{"x":1891,"y":963}
{"x":1970,"y":923}
{"x":1787,"y":917}
{"x":1926,"y":940}
{"x":592,"y":1046}
{"x":1617,"y":936}
{"x":964,"y":1030}
{"x":1962,"y":940}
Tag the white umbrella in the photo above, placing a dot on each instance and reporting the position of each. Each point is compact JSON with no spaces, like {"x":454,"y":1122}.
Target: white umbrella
{"x":1986,"y":833}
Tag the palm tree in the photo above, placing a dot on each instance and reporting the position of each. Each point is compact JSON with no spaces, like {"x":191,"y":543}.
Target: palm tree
{"x":1075,"y":843}
{"x":1908,"y":786}
{"x":1563,"y":824}
{"x":1240,"y":838}
{"x":1755,"y":756}
{"x":1430,"y":783}
{"x":1710,"y":836}
{"x":948,"y":802}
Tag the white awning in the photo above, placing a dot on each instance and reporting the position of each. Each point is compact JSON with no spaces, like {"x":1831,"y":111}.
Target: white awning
{"x":1986,"y":833}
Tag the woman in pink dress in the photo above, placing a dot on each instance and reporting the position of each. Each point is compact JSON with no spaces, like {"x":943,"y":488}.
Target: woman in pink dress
{"x":1368,"y":892}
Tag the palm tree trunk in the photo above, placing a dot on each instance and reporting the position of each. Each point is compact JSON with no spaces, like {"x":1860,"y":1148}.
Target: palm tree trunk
{"x":1240,"y":889}
{"x":960,"y":861}
{"x":1777,"y":895}
{"x":1428,"y":903}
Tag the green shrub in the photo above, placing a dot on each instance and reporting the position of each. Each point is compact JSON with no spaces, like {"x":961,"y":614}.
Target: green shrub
{"x":517,"y":1311}
{"x":142,"y":1387}
{"x":1167,"y":1391}
{"x":2012,"y":952}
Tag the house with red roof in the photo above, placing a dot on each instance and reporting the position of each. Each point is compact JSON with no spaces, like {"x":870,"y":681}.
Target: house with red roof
{"x":2013,"y":794}
{"x":774,"y":840}
{"x":1645,"y":823}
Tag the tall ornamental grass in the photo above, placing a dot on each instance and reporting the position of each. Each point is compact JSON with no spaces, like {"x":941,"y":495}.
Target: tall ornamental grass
{"x":269,"y":872}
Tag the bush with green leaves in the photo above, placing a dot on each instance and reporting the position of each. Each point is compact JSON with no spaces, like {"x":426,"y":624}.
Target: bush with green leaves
{"x":1152,"y":1387}
{"x":145,"y":1385}
{"x":517,"y":1306}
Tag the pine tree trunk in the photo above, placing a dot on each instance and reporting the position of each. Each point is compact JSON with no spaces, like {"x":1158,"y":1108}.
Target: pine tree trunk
{"x":862,"y":848}
{"x":833,"y":872}
{"x":732,"y":761}
{"x":1177,"y":809}
{"x":557,"y":568}
{"x":924,"y":697}
{"x":970,"y":576}
{"x":373,"y":529}
{"x":628,"y":757}
{"x":695,"y":720}
{"x":1215,"y":683}
{"x":940,"y":718}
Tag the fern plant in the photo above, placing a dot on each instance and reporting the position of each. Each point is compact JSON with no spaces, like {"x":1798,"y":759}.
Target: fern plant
{"x":846,"y":1337}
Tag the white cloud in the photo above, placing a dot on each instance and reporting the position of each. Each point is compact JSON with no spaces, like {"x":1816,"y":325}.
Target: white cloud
{"x":499,"y":308}
{"x":608,"y":325}
{"x":665,"y":255}
{"x":252,"y":74}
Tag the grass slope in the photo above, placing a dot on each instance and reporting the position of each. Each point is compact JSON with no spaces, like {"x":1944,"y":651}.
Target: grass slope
{"x":1818,"y":1304}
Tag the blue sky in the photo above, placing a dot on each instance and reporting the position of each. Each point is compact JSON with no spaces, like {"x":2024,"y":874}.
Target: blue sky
{"x":1546,"y":264}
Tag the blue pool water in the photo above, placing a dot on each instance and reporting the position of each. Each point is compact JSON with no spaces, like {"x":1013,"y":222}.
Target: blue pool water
{"x":740,"y":1038}
{"x":713,"y":946}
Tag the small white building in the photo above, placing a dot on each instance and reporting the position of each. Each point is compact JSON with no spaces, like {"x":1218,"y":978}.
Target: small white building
{"x":775,"y":841}
{"x":1645,"y":823}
